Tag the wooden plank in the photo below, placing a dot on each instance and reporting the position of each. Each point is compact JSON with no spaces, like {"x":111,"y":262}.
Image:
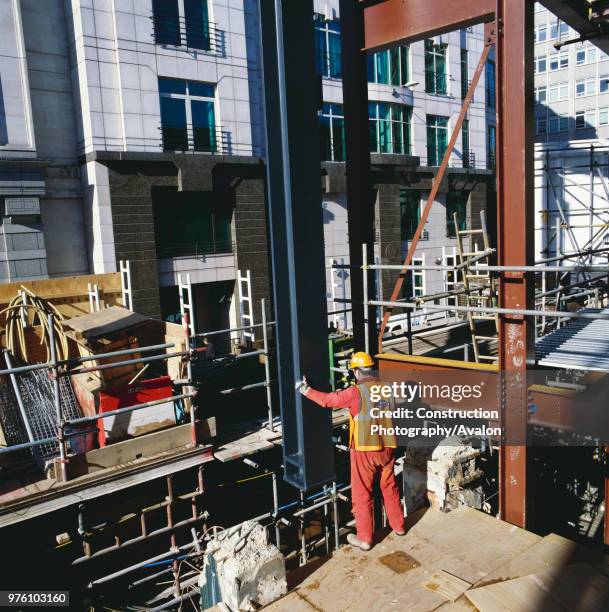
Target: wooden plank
{"x":448,"y":585}
{"x":105,"y":322}
{"x":575,"y":588}
{"x":69,"y":294}
{"x":142,"y":447}
{"x":247,"y":438}
{"x":244,"y":445}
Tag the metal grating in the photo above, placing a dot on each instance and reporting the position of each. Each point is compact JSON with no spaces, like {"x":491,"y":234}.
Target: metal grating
{"x":39,"y":401}
{"x":582,"y":344}
{"x":10,"y":419}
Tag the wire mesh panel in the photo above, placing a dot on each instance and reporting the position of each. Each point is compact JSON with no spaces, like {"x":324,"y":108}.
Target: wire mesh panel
{"x":12,"y":424}
{"x":39,"y":402}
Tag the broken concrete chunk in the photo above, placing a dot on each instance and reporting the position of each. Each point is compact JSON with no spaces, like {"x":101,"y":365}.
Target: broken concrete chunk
{"x":242,"y":570}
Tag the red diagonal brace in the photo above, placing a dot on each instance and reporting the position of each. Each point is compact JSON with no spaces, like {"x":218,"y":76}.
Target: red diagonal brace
{"x":489,"y":40}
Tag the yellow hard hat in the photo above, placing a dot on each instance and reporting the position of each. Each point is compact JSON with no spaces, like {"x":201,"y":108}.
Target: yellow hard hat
{"x":361,"y":360}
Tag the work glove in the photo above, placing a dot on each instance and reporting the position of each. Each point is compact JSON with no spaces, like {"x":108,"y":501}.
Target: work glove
{"x":302,"y":385}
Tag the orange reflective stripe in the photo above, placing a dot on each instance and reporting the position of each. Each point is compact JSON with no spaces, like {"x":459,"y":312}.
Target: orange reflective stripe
{"x":360,"y":427}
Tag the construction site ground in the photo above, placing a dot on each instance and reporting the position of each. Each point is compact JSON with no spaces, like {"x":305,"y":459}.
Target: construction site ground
{"x":463,"y":560}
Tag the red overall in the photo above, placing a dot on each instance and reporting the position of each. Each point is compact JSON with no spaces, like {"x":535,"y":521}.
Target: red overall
{"x":365,"y":466}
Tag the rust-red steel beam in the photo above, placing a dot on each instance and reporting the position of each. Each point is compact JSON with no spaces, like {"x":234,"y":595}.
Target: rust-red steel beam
{"x":437,"y":181}
{"x":402,"y":21}
{"x":515,"y":243}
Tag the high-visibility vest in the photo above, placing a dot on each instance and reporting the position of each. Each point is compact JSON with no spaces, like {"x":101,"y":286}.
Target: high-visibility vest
{"x":361,"y":437}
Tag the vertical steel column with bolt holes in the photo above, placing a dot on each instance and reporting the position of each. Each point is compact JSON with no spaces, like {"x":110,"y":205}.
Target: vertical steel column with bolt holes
{"x":296,"y":229}
{"x":515,"y":206}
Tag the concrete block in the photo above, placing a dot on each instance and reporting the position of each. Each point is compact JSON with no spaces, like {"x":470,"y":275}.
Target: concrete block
{"x":242,"y":570}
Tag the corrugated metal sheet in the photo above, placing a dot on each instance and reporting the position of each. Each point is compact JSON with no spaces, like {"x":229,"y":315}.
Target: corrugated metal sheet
{"x":582,"y":344}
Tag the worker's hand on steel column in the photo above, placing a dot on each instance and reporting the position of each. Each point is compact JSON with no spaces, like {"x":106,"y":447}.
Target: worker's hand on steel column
{"x":302,"y":385}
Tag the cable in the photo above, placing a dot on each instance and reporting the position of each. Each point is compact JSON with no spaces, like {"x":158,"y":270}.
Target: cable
{"x":19,"y":317}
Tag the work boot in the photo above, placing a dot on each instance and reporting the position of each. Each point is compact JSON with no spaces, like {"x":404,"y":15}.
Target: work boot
{"x":354,"y":541}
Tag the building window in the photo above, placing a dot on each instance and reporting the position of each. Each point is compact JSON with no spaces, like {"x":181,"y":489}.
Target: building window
{"x":490,"y":84}
{"x":558,"y":29}
{"x":188,"y":115}
{"x":491,"y":147}
{"x":541,"y":64}
{"x":558,"y":91}
{"x":603,"y":116}
{"x":541,"y":95}
{"x":389,"y":127}
{"x":182,"y":22}
{"x":435,"y":68}
{"x":541,"y":125}
{"x":456,"y":203}
{"x":189,"y":224}
{"x":603,"y":84}
{"x":418,"y":277}
{"x":437,"y":139}
{"x":332,"y":130}
{"x":468,"y":156}
{"x":540,"y":33}
{"x":558,"y":123}
{"x":585,"y":119}
{"x":559,"y":61}
{"x":410,"y":212}
{"x":327,"y":44}
{"x":389,"y":67}
{"x":586,"y":55}
{"x":464,"y":73}
{"x":585,"y":87}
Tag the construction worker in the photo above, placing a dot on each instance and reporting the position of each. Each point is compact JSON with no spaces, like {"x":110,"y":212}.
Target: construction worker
{"x":371,"y":454}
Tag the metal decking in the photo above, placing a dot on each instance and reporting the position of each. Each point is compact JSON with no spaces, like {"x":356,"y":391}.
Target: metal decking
{"x":583,"y":344}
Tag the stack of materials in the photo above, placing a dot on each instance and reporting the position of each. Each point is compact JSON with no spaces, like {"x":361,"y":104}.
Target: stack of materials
{"x":451,"y":469}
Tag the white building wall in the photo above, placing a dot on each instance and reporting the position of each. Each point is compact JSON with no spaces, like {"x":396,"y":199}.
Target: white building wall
{"x":116,"y":65}
{"x":16,"y":128}
{"x":571,"y":167}
{"x":98,"y":217}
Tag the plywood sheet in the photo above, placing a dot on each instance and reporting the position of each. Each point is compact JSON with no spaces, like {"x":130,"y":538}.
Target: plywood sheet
{"x":449,"y":586}
{"x":445,"y":542}
{"x":69,"y":294}
{"x":550,"y":552}
{"x":577,"y":588}
{"x":104,"y":322}
{"x":461,"y":547}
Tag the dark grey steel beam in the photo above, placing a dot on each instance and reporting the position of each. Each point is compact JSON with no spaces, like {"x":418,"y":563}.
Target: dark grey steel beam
{"x":360,"y":196}
{"x":296,"y":228}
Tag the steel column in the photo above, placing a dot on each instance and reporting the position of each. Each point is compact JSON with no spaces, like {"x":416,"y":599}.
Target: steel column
{"x":360,"y":196}
{"x":515,"y":225}
{"x":296,"y":230}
